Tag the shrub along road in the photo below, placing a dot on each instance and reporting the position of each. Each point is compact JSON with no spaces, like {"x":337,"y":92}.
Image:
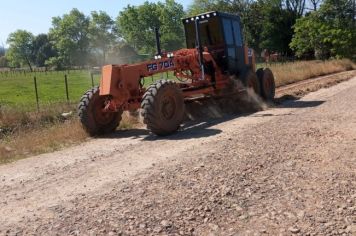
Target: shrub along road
{"x":286,"y":170}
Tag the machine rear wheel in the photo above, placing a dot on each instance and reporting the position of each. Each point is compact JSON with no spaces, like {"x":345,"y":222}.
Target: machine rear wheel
{"x":163,"y":107}
{"x":250,"y":80}
{"x":94,"y":120}
{"x":268,"y":87}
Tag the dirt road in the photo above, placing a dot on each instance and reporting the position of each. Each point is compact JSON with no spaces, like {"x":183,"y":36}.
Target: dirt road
{"x":286,"y":170}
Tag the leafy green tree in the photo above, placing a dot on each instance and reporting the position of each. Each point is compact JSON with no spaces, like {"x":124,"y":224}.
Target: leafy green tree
{"x":3,"y":61}
{"x":20,"y":48}
{"x":101,"y":33}
{"x":2,"y":51}
{"x":254,"y":22}
{"x":296,"y":6}
{"x":329,"y":31}
{"x":136,"y":25}
{"x":315,"y":4}
{"x":122,"y":53}
{"x":70,"y":35}
{"x":42,"y":50}
{"x":277,"y":29}
{"x":200,"y":6}
{"x":267,"y":23}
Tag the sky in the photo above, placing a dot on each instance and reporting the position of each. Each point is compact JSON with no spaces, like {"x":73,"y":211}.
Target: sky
{"x":36,"y":15}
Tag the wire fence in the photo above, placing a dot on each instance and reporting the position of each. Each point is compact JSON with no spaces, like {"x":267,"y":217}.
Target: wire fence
{"x":40,"y":88}
{"x":32,"y":89}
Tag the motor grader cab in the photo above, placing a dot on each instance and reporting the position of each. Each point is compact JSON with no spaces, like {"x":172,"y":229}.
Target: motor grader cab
{"x":221,"y":34}
{"x":215,"y":58}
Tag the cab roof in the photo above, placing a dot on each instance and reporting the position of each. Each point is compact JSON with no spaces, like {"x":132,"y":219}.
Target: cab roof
{"x":209,"y":14}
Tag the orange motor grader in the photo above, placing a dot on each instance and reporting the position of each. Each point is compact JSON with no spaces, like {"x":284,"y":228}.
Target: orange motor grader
{"x":215,"y":58}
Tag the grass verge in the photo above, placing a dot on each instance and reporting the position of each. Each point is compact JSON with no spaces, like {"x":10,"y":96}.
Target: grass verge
{"x":24,"y":132}
{"x":287,"y":73}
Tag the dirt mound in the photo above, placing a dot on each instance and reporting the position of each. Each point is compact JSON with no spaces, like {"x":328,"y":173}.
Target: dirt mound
{"x":239,"y":103}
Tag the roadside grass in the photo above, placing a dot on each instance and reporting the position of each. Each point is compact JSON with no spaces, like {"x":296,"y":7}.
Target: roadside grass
{"x":287,"y":73}
{"x":25,"y":131}
{"x":48,"y":138}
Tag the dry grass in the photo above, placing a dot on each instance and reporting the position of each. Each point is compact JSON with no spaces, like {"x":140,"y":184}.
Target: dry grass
{"x":40,"y":140}
{"x":287,"y":73}
{"x":14,"y":118}
{"x":30,"y":133}
{"x":24,"y":133}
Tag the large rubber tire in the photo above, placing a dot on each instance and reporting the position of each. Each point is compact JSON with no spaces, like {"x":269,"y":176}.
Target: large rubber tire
{"x":163,"y":107}
{"x":93,"y":119}
{"x":250,"y":81}
{"x":268,"y":86}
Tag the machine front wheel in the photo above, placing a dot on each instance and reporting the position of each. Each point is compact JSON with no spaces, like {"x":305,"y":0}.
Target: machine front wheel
{"x":163,"y":107}
{"x":94,"y":120}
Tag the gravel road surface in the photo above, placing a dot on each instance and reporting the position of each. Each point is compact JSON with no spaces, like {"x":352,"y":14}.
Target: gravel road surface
{"x":288,"y":170}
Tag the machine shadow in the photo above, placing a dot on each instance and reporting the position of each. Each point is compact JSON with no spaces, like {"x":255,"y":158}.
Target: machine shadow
{"x":188,"y":130}
{"x":290,"y":101}
{"x":202,"y":127}
{"x":301,"y":104}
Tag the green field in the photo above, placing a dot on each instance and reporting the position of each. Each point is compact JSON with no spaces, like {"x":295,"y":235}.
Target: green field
{"x":17,"y":88}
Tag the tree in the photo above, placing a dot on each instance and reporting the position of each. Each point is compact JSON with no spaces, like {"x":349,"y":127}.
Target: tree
{"x":20,"y":48}
{"x":239,"y":7}
{"x":42,"y":50}
{"x":326,"y":32}
{"x":136,"y":25}
{"x":2,"y":51}
{"x":254,"y":22}
{"x":267,"y":23}
{"x":3,"y":61}
{"x":171,"y":28}
{"x":315,"y":4}
{"x":69,"y":34}
{"x":101,"y":32}
{"x":296,"y":6}
{"x":277,"y":30}
{"x":122,"y":53}
{"x":199,"y":6}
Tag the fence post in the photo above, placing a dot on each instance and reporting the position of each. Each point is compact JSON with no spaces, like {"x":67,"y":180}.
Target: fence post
{"x":92,"y":79}
{"x":36,"y":91}
{"x":66,"y":85}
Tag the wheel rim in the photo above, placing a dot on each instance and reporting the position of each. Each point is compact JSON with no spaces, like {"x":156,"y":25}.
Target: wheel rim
{"x":101,"y":117}
{"x":168,"y":107}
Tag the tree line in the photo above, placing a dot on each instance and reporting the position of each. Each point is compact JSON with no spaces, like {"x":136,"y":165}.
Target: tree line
{"x":302,"y":28}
